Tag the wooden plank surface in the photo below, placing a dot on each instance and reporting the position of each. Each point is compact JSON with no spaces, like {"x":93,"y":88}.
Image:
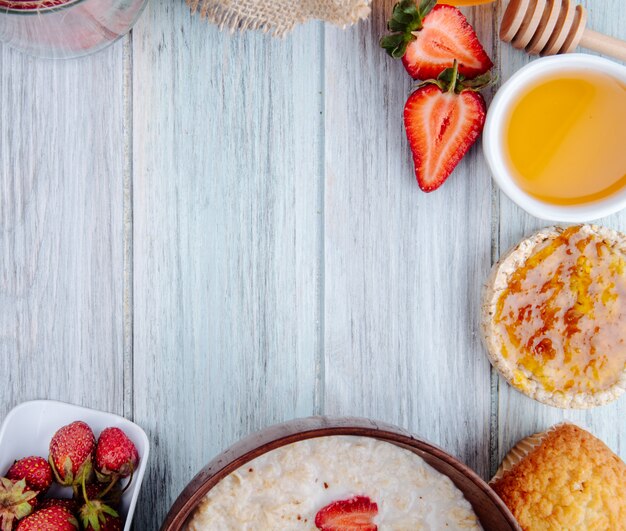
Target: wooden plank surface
{"x":211,"y":233}
{"x":519,"y":416}
{"x":226,"y":238}
{"x":401,"y":266}
{"x":61,"y":233}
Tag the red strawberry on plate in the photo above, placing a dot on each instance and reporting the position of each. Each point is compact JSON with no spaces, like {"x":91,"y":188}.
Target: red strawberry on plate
{"x":116,"y":454}
{"x":354,"y":514}
{"x":67,"y":503}
{"x":443,"y":118}
{"x":95,"y":514}
{"x":16,"y":502}
{"x":35,"y":470}
{"x":50,"y":519}
{"x":429,"y":37}
{"x":71,"y":453}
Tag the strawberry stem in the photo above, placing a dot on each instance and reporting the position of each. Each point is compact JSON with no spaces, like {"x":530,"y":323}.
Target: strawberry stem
{"x":130,"y":478}
{"x":455,"y":71}
{"x":109,"y":487}
{"x":84,"y":489}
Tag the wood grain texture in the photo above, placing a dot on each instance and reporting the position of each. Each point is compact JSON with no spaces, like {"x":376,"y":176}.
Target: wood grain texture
{"x":243,"y":242}
{"x":518,"y":415}
{"x":401,"y":266}
{"x":226,"y":143}
{"x":61,"y":282}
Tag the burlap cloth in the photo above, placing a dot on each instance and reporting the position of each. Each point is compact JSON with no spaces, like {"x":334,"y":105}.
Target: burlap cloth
{"x":278,"y":16}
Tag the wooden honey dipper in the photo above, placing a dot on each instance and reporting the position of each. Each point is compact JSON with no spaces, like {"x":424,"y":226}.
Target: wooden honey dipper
{"x":548,"y":27}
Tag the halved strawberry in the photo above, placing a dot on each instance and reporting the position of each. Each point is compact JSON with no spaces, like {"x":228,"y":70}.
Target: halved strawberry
{"x":443,"y":118}
{"x":354,"y":514}
{"x":430,"y":37}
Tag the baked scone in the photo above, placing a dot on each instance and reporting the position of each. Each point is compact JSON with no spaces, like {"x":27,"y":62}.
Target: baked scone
{"x":554,"y":316}
{"x":564,"y":478}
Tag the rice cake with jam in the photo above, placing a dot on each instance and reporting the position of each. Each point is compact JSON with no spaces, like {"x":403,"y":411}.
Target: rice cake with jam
{"x":554,"y":316}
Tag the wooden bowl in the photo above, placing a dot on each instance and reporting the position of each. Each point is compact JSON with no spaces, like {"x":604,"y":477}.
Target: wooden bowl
{"x":491,"y":511}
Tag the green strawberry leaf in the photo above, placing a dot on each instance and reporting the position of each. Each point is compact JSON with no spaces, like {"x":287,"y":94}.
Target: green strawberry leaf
{"x":84,"y":473}
{"x":480,"y":82}
{"x":451,"y":81}
{"x":68,"y":476}
{"x":395,"y":44}
{"x":94,"y":514}
{"x":406,"y":18}
{"x":405,"y":15}
{"x":109,"y":510}
{"x":450,"y":76}
{"x":426,"y":6}
{"x":14,"y":502}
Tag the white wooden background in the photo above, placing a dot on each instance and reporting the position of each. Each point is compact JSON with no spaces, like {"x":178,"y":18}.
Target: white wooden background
{"x":210,"y":233}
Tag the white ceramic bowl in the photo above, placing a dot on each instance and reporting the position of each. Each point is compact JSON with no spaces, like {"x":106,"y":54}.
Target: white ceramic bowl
{"x":493,"y":137}
{"x":28,"y":428}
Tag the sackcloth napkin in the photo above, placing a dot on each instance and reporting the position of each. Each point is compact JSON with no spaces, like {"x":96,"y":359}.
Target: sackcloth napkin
{"x":278,"y":16}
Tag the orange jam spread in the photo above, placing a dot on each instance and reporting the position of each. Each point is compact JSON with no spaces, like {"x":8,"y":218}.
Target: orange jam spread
{"x":562,"y":318}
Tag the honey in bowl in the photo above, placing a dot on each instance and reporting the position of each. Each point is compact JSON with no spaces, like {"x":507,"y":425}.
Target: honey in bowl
{"x":564,"y":138}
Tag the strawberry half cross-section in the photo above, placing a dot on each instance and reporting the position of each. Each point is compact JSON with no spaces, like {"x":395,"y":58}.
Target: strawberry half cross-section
{"x":429,"y":37}
{"x":353,"y":514}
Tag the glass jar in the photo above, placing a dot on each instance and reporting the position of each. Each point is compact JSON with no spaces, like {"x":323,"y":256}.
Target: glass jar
{"x":66,"y":28}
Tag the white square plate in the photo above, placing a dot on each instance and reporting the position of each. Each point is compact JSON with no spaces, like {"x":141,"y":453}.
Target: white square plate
{"x":28,"y":428}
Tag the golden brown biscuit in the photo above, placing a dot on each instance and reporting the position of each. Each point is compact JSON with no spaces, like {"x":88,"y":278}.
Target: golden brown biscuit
{"x":564,"y":478}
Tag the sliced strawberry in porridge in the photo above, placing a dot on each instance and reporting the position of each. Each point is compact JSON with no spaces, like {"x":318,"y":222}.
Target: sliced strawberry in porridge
{"x":354,"y":514}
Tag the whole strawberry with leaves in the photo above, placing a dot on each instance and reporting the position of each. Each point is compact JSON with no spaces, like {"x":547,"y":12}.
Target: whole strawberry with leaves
{"x":16,"y":502}
{"x":116,"y":457}
{"x":443,"y":118}
{"x":71,"y":454}
{"x":428,"y":37}
{"x":34,"y":470}
{"x":116,"y":454}
{"x":55,"y":518}
{"x":95,"y":514}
